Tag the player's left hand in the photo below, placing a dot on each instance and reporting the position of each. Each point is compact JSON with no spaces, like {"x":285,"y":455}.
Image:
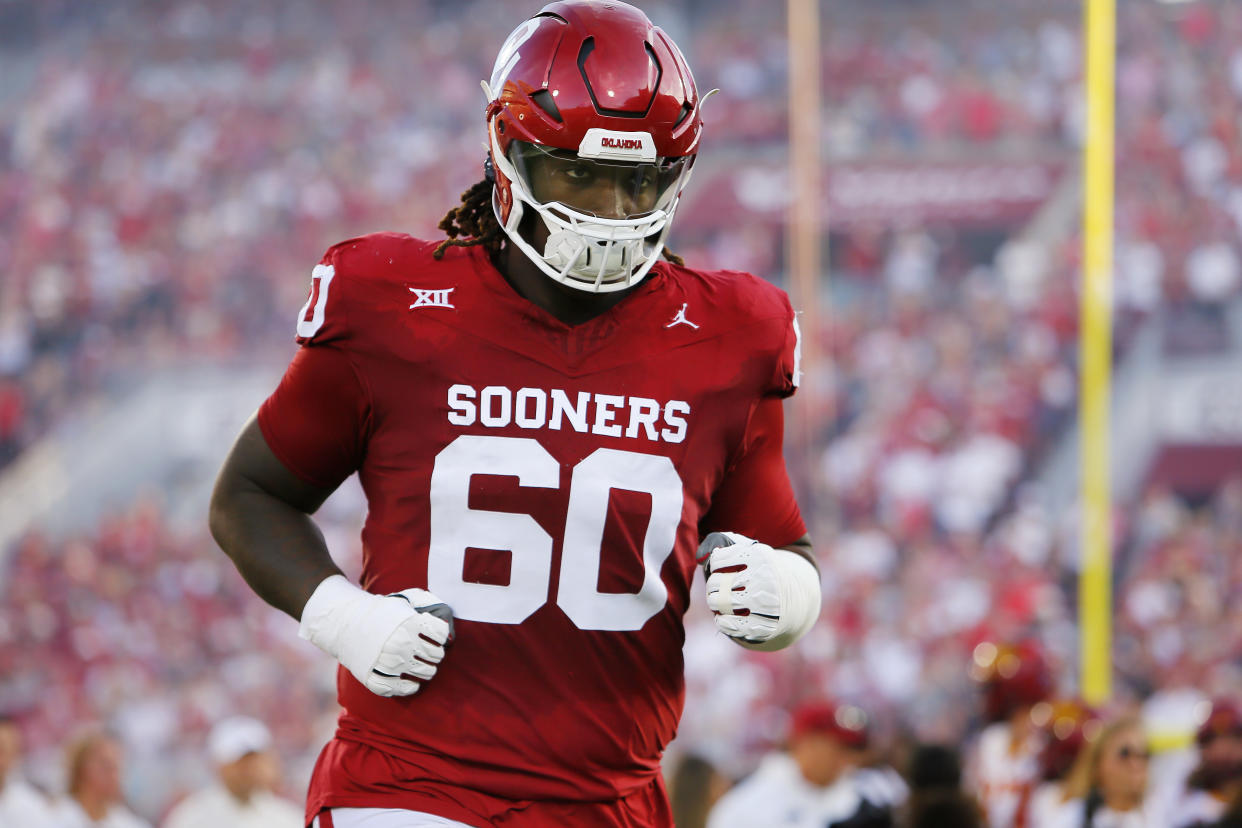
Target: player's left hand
{"x":763,"y":598}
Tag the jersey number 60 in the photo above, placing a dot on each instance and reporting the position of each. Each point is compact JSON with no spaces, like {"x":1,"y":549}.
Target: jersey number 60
{"x":456,"y":527}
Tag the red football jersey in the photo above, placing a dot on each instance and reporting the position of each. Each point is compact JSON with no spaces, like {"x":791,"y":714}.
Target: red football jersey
{"x":551,"y":484}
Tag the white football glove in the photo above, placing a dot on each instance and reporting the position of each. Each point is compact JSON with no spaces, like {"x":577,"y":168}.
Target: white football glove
{"x":379,"y":638}
{"x":763,"y":598}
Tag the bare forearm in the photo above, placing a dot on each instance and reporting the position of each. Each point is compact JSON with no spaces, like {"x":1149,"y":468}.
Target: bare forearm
{"x":277,"y":548}
{"x":260,"y":516}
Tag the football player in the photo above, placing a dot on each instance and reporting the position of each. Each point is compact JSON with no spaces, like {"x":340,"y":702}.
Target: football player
{"x":554,"y":421}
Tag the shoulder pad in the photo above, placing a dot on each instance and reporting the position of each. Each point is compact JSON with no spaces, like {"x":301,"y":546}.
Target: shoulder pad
{"x":765,"y":309}
{"x":341,"y":279}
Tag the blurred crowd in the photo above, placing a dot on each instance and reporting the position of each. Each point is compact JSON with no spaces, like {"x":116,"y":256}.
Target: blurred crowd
{"x":172,"y":171}
{"x":157,"y":637}
{"x":242,"y":794}
{"x":1033,"y":757}
{"x":169,"y":171}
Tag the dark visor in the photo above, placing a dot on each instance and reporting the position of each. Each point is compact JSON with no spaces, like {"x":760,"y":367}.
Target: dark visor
{"x":603,"y":189}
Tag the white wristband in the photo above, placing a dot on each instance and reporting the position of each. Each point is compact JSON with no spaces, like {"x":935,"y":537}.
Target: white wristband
{"x":350,"y":624}
{"x":387,"y":642}
{"x":797,"y":582}
{"x":764,"y":598}
{"x":321,"y":622}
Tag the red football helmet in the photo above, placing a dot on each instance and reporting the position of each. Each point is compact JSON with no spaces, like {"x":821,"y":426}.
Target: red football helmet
{"x":1069,"y":725}
{"x":593,"y":122}
{"x":1219,"y":738}
{"x":1224,"y":720}
{"x":1013,"y":676}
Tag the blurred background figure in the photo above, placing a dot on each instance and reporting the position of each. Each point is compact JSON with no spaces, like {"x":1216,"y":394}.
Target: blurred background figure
{"x":241,"y":750}
{"x":1108,"y":785}
{"x":934,"y":773}
{"x":1068,"y":725}
{"x":1004,"y":761}
{"x":1217,"y":779}
{"x":21,"y":804}
{"x":818,"y":781}
{"x":95,"y":799}
{"x":694,"y":786}
{"x":1232,"y":817}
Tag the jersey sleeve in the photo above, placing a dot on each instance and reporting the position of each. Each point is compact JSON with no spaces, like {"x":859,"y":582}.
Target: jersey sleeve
{"x":787,"y":374}
{"x":347,"y":285}
{"x":325,"y":316}
{"x":774,"y":333}
{"x":318,"y":419}
{"x":756,"y":498}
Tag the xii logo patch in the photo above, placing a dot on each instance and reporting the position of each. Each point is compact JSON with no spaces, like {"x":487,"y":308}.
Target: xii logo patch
{"x":432,"y":298}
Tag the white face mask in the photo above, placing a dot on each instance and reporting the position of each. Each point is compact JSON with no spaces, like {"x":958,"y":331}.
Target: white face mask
{"x":606,"y":219}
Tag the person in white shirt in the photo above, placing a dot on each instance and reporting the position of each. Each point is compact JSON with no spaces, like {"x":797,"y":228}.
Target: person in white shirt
{"x":1068,"y":725}
{"x":1107,"y":788}
{"x":241,"y":750}
{"x":20,"y":802}
{"x":1003,"y":761}
{"x":95,"y":799}
{"x":817,"y":781}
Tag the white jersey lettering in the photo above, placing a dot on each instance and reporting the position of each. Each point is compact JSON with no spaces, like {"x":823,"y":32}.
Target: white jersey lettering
{"x":561,"y":408}
{"x":608,"y":415}
{"x":461,"y":401}
{"x":495,"y":406}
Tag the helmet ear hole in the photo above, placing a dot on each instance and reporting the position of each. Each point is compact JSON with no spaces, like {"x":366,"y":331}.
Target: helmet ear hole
{"x":548,"y":104}
{"x":686,"y":109}
{"x":500,"y":126}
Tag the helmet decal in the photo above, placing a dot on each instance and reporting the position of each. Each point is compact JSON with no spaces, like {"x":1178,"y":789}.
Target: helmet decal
{"x":509,"y":55}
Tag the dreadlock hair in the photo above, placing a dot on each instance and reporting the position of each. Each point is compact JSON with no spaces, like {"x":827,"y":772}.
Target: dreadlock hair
{"x":474,"y":219}
{"x":472,"y":223}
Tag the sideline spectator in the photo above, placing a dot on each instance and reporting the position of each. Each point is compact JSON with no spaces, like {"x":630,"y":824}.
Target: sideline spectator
{"x":1005,"y":760}
{"x":1108,"y":786}
{"x":817,"y":782}
{"x":95,"y":798}
{"x":20,"y":803}
{"x":1232,"y":817}
{"x":1068,"y":725}
{"x":936,"y":796}
{"x":241,"y":749}
{"x":1217,"y":779}
{"x":694,"y":787}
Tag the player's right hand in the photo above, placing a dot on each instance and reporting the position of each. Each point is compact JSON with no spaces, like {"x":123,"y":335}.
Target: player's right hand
{"x":390,"y":643}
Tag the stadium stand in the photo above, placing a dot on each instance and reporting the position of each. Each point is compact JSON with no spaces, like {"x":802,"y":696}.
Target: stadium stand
{"x":170,"y":172}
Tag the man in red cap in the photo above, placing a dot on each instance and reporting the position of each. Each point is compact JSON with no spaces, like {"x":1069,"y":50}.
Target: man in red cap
{"x":818,"y":780}
{"x":1217,"y":779}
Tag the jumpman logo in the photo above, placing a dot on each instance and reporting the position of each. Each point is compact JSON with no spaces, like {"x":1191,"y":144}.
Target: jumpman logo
{"x":680,"y":318}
